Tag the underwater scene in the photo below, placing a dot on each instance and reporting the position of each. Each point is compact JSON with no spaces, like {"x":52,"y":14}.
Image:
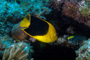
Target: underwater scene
{"x":44,"y":29}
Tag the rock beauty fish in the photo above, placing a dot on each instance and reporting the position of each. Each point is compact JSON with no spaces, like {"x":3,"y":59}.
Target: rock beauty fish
{"x":39,"y":29}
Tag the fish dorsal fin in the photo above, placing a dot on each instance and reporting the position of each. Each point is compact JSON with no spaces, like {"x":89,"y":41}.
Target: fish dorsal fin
{"x":25,"y":23}
{"x":29,"y":17}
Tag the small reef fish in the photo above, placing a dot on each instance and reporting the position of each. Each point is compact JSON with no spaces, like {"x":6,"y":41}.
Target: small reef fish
{"x":70,"y":37}
{"x":39,"y":29}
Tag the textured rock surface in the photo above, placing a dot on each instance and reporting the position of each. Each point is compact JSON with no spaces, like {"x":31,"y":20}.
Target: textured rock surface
{"x":17,"y":33}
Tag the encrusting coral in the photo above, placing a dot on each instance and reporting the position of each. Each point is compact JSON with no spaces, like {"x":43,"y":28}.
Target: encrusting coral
{"x":18,"y":51}
{"x":80,"y":11}
{"x":83,"y":52}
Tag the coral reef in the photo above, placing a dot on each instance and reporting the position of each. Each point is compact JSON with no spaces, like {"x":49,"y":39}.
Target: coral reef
{"x":74,"y":42}
{"x":84,"y":8}
{"x":79,"y":11}
{"x":18,"y":51}
{"x":19,"y":10}
{"x":83,"y":52}
{"x":12,"y":12}
{"x":5,"y":42}
{"x":70,"y":18}
{"x":70,"y":7}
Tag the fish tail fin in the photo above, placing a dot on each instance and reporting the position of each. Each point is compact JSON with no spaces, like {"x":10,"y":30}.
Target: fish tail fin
{"x":29,"y":17}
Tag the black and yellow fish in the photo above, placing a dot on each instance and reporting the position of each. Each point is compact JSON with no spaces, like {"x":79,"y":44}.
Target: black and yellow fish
{"x":39,"y":29}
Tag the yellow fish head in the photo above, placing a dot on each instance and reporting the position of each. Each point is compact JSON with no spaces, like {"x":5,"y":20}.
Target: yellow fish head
{"x":52,"y":38}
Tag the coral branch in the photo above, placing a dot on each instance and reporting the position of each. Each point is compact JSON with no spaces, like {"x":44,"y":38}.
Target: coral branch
{"x":16,"y":51}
